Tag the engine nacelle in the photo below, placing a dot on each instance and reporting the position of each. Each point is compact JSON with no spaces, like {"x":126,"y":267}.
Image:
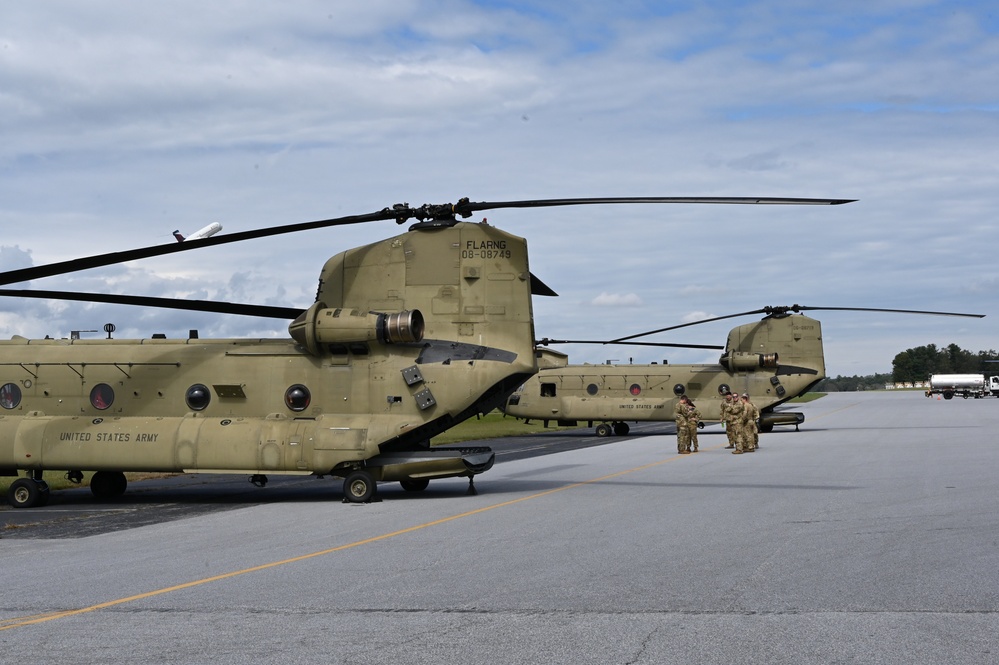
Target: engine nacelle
{"x":320,"y":325}
{"x":741,"y":361}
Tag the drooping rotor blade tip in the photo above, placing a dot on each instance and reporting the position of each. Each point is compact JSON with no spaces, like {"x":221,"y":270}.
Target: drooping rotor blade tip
{"x":466,"y":206}
{"x":676,"y":345}
{"x":802,"y":308}
{"x":215,"y":307}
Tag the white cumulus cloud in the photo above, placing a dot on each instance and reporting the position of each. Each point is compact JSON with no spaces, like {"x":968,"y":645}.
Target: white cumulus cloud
{"x":617,"y":300}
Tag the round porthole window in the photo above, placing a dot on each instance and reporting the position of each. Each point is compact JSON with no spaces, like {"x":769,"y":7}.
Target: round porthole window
{"x":723,"y":388}
{"x":10,"y":395}
{"x":298,"y":397}
{"x":198,"y":397}
{"x":679,"y":389}
{"x":592,"y":389}
{"x":635,"y":389}
{"x":102,"y":396}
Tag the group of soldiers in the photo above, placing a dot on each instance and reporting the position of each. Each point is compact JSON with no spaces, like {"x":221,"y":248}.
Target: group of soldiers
{"x":741,"y":418}
{"x":739,"y":415}
{"x":687,"y":416}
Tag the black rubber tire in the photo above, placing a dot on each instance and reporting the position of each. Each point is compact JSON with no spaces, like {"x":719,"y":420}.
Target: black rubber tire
{"x":108,"y":484}
{"x":415,"y":485}
{"x":359,"y":486}
{"x":28,"y":493}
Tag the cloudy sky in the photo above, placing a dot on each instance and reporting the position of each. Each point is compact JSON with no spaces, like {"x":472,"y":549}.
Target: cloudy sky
{"x":123,"y":121}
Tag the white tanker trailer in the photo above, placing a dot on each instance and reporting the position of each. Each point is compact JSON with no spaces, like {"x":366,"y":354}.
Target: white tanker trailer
{"x":965,"y":385}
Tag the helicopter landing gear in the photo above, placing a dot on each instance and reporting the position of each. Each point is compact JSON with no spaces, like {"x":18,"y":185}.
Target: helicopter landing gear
{"x":108,"y":484}
{"x":359,"y":487}
{"x":471,"y":487}
{"x":603,"y":429}
{"x":621,"y":429}
{"x":75,"y":477}
{"x":28,"y":493}
{"x":258,"y":480}
{"x":417,"y":485}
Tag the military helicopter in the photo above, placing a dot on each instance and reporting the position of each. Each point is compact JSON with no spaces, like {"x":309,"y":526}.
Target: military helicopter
{"x":772,"y":360}
{"x":407,"y":337}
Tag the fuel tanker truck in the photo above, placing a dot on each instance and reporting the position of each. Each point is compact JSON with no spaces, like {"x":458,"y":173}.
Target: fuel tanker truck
{"x":964,"y":385}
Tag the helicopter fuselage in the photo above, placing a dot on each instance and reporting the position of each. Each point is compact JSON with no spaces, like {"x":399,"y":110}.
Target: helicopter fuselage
{"x":241,"y":406}
{"x":772,"y":361}
{"x":408,"y":337}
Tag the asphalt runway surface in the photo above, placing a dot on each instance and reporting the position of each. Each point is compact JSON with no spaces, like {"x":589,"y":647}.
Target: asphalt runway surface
{"x":870,"y":536}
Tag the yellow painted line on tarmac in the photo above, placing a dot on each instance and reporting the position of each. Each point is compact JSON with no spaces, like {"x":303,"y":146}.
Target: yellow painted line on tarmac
{"x":44,"y":617}
{"x":19,"y":622}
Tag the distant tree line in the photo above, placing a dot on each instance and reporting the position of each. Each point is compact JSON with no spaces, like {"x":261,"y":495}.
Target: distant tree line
{"x":920,"y":363}
{"x":853,"y":383}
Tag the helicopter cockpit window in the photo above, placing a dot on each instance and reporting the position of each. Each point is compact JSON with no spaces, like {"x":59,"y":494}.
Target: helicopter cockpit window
{"x":298,"y":397}
{"x":198,"y":397}
{"x":102,"y":396}
{"x":10,"y":396}
{"x":548,"y":390}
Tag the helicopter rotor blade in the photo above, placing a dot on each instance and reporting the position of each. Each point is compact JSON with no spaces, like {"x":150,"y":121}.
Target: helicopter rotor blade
{"x":440,"y":215}
{"x":546,"y":342}
{"x":803,"y":308}
{"x":112,"y":258}
{"x":263,"y":311}
{"x":466,"y":207}
{"x":620,"y":340}
{"x":784,"y":310}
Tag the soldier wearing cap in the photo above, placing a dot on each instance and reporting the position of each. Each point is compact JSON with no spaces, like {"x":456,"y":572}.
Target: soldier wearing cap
{"x":752,"y":426}
{"x":726,"y":416}
{"x":681,"y":415}
{"x":693,"y":417}
{"x":737,"y":414}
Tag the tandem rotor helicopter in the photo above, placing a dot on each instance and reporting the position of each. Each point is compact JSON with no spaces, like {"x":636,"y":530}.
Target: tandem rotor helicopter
{"x":772,"y":360}
{"x":407,"y":337}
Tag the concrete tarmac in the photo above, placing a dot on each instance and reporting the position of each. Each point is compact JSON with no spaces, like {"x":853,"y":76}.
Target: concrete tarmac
{"x":870,"y":536}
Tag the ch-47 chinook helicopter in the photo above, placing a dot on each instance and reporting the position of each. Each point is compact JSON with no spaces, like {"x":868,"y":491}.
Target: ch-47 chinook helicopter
{"x":407,"y":337}
{"x":772,"y":360}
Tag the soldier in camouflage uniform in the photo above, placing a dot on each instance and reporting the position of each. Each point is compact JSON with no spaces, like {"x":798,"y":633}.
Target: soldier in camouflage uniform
{"x":693,"y":417}
{"x":737,"y":413}
{"x":726,"y":416}
{"x":752,"y":428}
{"x":681,"y":414}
